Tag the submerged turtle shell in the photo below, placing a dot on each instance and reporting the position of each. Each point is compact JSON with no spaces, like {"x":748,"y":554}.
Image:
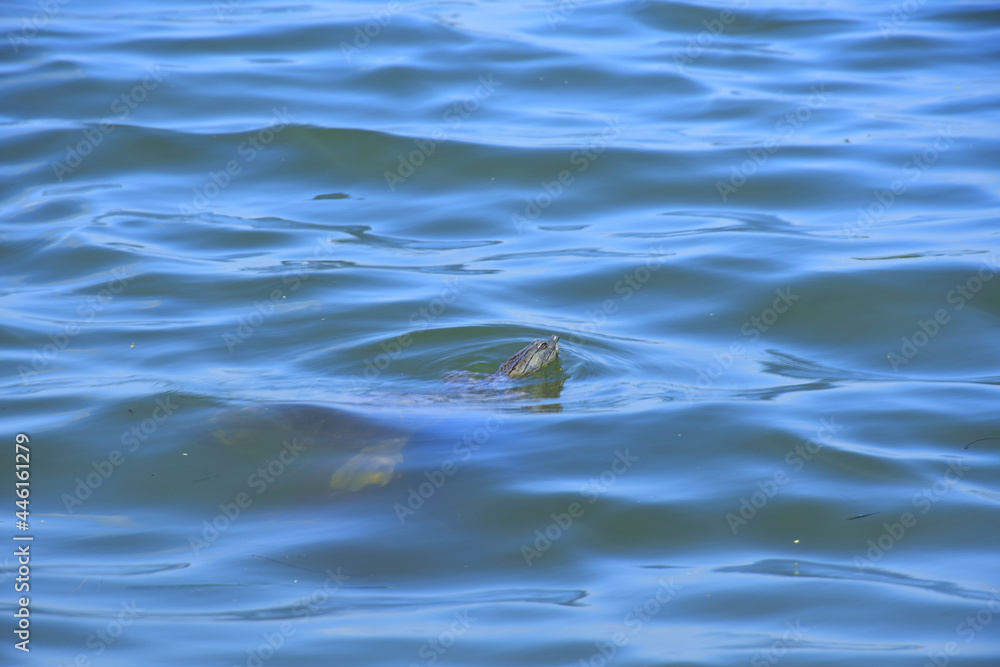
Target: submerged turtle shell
{"x":366,"y":450}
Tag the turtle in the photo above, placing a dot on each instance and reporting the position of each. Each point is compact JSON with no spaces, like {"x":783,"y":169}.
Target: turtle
{"x":374,"y":464}
{"x":535,"y":356}
{"x":330,"y":429}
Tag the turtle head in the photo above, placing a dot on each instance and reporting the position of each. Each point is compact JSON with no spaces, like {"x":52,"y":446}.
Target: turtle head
{"x":535,"y":356}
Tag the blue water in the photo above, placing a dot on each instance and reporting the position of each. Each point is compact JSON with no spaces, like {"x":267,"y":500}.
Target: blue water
{"x":246,"y":246}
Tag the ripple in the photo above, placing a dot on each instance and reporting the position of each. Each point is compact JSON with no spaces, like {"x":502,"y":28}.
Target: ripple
{"x":807,"y":569}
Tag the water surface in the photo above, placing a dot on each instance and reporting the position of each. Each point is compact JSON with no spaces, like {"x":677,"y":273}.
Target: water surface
{"x":243,"y":242}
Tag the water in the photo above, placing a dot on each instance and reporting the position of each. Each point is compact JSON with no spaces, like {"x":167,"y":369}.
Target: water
{"x":244,"y":241}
